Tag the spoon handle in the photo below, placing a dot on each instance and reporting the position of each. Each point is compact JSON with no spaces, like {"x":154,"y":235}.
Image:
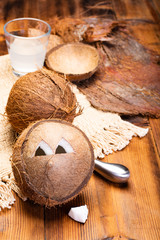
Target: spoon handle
{"x":111,"y":171}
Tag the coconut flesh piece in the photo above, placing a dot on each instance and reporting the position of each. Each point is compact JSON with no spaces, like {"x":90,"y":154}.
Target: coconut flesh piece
{"x":44,"y":149}
{"x":79,"y":214}
{"x":52,"y":162}
{"x":76,"y":61}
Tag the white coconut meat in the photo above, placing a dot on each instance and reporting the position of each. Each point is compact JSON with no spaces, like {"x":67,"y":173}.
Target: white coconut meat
{"x":65,"y":145}
{"x":44,"y":149}
{"x":79,"y":214}
{"x":43,"y":146}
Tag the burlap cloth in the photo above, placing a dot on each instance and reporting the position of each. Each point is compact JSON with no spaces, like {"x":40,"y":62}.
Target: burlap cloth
{"x":106,"y":131}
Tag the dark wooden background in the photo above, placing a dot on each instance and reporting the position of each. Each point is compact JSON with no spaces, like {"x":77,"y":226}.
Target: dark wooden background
{"x":131,"y":211}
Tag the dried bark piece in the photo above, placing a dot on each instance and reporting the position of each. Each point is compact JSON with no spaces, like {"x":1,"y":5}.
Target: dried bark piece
{"x":89,"y":29}
{"x":128,"y":80}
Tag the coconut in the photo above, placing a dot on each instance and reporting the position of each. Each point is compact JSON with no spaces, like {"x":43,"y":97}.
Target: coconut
{"x":76,"y":61}
{"x":54,"y":41}
{"x":52,"y":162}
{"x":40,"y":95}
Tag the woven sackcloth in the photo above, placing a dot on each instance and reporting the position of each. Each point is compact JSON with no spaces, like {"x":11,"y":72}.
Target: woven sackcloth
{"x":106,"y":131}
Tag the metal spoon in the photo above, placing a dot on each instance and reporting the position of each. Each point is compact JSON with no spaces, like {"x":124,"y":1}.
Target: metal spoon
{"x":111,"y":171}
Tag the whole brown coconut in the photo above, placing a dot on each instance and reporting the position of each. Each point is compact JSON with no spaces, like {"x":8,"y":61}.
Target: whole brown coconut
{"x":52,"y":162}
{"x":40,"y":95}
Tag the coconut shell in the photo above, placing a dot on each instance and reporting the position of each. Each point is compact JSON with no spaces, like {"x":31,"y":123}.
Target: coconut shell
{"x":40,"y":95}
{"x":54,"y":178}
{"x":76,"y":61}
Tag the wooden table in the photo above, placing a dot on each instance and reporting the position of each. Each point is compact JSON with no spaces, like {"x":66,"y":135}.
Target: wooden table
{"x":131,"y":211}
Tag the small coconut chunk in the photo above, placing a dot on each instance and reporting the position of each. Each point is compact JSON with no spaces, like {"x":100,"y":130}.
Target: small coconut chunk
{"x":79,"y":214}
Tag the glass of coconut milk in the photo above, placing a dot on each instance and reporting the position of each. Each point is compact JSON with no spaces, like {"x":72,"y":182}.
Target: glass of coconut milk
{"x":27,"y":40}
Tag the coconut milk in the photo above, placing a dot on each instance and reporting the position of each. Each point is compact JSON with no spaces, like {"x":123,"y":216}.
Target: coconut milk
{"x":26,"y":55}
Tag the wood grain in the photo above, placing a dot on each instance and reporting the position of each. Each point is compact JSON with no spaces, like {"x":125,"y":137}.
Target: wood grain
{"x":24,"y":221}
{"x":129,"y":211}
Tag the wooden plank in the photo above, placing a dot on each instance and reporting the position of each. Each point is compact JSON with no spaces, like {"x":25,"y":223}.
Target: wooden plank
{"x":131,"y":9}
{"x":128,"y":212}
{"x":154,"y":7}
{"x":137,"y":210}
{"x":155,"y":128}
{"x":24,"y":221}
{"x":59,"y":225}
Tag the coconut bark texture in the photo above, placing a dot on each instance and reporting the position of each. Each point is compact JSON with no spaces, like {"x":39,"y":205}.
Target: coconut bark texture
{"x":127,"y":80}
{"x":40,"y":95}
{"x":55,"y":177}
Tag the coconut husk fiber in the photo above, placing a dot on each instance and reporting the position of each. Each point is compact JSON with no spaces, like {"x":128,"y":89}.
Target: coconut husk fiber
{"x":106,"y":131}
{"x":39,"y":95}
{"x":128,"y":79}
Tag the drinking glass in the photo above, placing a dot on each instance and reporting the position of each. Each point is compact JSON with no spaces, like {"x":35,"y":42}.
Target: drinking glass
{"x":27,"y":40}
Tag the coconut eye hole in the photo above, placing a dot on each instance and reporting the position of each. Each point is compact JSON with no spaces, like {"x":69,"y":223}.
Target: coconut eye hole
{"x":43,"y":149}
{"x":63,"y":147}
